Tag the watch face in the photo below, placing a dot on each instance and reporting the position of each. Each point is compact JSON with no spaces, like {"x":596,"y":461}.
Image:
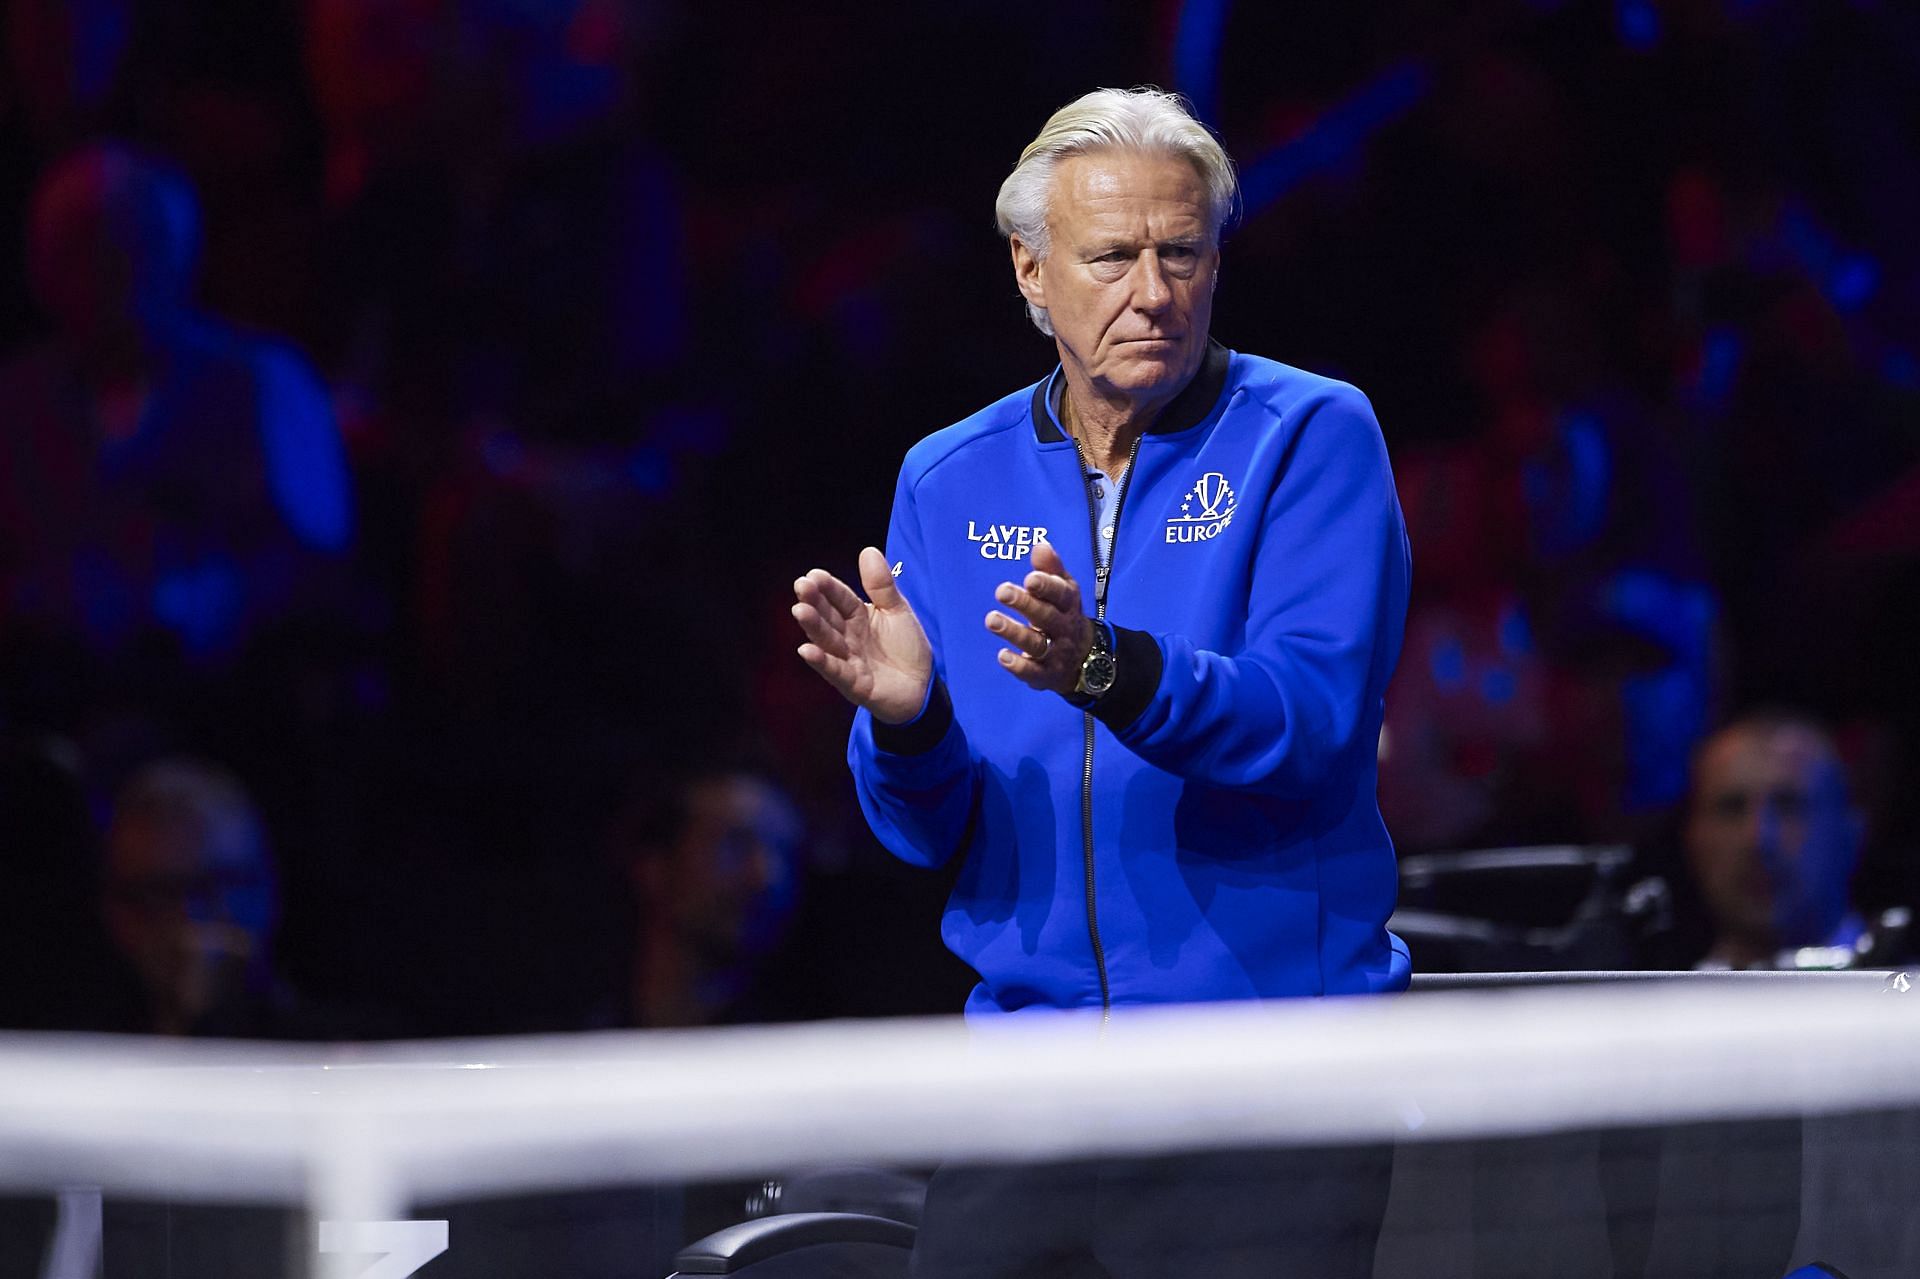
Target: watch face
{"x":1096,"y":677}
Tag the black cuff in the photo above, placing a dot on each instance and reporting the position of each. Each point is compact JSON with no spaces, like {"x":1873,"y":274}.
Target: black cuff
{"x":1138,"y":663}
{"x":923,"y":732}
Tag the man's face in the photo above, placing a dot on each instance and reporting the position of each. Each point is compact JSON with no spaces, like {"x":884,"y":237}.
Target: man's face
{"x":1128,"y":279}
{"x":737,"y":868}
{"x":191,"y":916}
{"x":1770,"y":837}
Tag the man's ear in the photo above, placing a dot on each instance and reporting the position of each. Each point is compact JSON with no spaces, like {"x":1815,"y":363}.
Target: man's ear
{"x":1026,"y":272}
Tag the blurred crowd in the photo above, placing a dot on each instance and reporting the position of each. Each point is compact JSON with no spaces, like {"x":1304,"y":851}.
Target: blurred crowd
{"x":412,"y":413}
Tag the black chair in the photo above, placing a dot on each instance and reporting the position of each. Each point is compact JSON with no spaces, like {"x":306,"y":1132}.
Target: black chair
{"x":868,"y":1245}
{"x":816,"y":1245}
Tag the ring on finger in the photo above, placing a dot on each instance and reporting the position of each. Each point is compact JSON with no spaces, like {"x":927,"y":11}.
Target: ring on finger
{"x":1041,"y":656}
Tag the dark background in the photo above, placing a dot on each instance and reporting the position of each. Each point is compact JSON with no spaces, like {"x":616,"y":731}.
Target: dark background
{"x":627,"y":311}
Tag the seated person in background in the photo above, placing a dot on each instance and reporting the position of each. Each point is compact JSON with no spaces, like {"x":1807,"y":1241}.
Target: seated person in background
{"x":1772,"y":840}
{"x":712,"y":857}
{"x":161,"y":472}
{"x":191,"y":900}
{"x":713,"y":862}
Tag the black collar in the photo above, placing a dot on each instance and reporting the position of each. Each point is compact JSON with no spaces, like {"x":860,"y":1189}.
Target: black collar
{"x":1194,"y":402}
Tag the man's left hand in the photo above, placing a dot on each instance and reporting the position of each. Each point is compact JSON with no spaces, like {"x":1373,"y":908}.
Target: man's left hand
{"x":1047,"y":649}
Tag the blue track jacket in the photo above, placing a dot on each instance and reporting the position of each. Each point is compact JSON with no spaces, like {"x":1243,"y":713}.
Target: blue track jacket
{"x":1210,"y":830}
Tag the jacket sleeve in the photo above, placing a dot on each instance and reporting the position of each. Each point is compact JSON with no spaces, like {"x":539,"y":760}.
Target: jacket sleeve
{"x":916,"y":781}
{"x":1325,"y":612}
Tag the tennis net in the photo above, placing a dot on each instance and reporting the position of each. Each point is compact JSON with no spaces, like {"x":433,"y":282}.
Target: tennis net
{"x":1698,"y":1126}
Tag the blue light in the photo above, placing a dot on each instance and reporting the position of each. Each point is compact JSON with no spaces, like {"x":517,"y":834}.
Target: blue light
{"x":100,"y":32}
{"x":1639,"y":24}
{"x":1197,"y":40}
{"x":1852,"y":281}
{"x":1336,"y":135}
{"x":1849,"y":278}
{"x":650,"y":471}
{"x":1448,"y":661}
{"x":1901,"y":369}
{"x":1720,"y":358}
{"x":1648,"y":603}
{"x":202,"y":603}
{"x":1568,"y":492}
{"x":306,"y":462}
{"x":1665,"y":716}
{"x":1809,"y":242}
{"x":1516,"y":634}
{"x":1498,"y":686}
{"x":502,"y":452}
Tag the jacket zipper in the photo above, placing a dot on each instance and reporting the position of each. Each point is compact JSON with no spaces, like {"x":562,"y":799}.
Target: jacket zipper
{"x":1102,"y":574}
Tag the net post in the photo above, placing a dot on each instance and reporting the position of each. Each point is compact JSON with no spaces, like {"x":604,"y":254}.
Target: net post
{"x":351,"y":1181}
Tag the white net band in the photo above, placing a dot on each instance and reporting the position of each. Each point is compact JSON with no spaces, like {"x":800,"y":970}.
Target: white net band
{"x":362,"y":1132}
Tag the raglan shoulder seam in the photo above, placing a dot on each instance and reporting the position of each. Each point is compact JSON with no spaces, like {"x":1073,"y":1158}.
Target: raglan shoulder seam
{"x":1284,"y":391}
{"x":936,"y":449}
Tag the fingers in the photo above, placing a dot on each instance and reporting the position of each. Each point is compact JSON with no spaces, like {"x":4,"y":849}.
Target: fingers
{"x":825,"y":607}
{"x":1047,"y":560}
{"x":1033,"y":642}
{"x":1057,"y":590}
{"x":832,"y":596}
{"x":1050,"y":580}
{"x":1053,"y":607}
{"x":827,"y":631}
{"x":1044,"y":651}
{"x":827,"y":592}
{"x":821,"y":607}
{"x":1039,"y":657}
{"x":837,"y":671}
{"x":874,"y":654}
{"x":1027,"y":671}
{"x":877,"y":579}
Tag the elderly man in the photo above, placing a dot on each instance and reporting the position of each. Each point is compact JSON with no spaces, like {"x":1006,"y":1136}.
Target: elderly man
{"x":1157,"y":755}
{"x":1772,"y":840}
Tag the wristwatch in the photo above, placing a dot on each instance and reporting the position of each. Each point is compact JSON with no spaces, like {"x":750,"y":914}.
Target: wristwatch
{"x":1098,"y":671}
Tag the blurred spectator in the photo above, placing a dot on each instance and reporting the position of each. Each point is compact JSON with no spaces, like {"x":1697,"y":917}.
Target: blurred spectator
{"x":165,"y":475}
{"x":1772,"y":840}
{"x":191,"y":898}
{"x":597,"y":307}
{"x":1466,"y":750}
{"x":714,"y":864}
{"x":713,"y":859}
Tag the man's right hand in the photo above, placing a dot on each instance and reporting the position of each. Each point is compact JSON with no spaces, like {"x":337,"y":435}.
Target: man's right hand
{"x":874,"y":653}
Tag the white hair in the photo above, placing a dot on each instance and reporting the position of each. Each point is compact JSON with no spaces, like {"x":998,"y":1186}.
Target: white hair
{"x":1140,"y":119}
